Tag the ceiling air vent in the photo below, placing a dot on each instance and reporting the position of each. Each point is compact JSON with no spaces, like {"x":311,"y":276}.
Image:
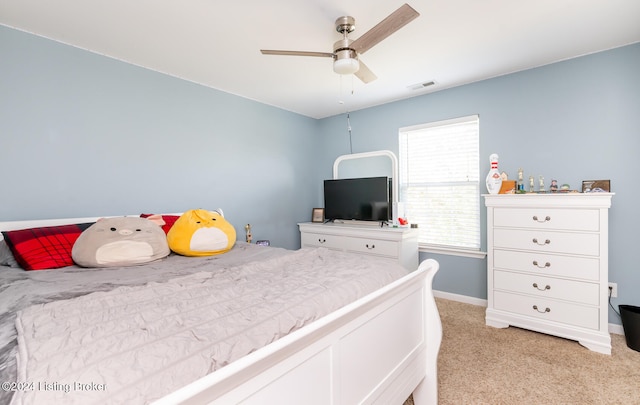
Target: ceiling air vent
{"x":422,"y":85}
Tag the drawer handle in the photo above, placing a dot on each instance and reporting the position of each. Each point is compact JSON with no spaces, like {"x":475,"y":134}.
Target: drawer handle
{"x":547,"y":309}
{"x":546,"y":242}
{"x":546,"y":219}
{"x":547,"y":287}
{"x":370,"y":247}
{"x":547,"y":264}
{"x":322,"y":240}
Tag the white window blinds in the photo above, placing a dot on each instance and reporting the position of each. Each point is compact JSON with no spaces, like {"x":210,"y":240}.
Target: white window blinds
{"x":439,"y":182}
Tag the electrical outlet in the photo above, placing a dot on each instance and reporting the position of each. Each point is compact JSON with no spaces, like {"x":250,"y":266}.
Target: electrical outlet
{"x":613,"y":288}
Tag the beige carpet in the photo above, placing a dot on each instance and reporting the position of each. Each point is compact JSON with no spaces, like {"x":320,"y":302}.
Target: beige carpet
{"x":479,"y":364}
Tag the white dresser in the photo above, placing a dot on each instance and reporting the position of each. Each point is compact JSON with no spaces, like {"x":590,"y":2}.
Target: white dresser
{"x":397,"y":244}
{"x":547,"y":265}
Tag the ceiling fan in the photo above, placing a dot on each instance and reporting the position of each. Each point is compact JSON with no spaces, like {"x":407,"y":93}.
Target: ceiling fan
{"x":346,"y":51}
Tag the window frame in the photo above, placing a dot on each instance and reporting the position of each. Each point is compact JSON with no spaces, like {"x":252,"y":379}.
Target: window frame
{"x":437,"y":248}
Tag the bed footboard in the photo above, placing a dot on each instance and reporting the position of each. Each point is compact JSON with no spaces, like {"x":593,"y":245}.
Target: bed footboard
{"x":378,"y":349}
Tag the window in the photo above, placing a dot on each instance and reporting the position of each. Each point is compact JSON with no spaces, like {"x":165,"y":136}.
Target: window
{"x":439,"y":183}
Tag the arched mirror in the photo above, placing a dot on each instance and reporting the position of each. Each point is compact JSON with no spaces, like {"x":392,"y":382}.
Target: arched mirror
{"x":369,"y":164}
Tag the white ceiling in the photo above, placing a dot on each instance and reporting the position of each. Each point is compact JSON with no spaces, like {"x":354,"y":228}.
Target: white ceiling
{"x":216,"y":43}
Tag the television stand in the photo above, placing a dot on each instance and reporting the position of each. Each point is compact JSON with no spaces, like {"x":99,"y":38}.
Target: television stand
{"x":396,"y":244}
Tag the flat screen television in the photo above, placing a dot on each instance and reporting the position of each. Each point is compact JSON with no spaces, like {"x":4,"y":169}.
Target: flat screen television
{"x":363,"y":199}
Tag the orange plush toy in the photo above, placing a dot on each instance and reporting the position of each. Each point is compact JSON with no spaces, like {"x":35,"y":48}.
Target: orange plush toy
{"x":201,"y":233}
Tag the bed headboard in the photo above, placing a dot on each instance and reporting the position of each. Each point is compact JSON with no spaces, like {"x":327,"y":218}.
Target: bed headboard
{"x":36,"y":223}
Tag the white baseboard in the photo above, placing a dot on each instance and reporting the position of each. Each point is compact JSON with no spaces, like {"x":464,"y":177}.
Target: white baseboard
{"x":613,"y":328}
{"x":460,"y":298}
{"x":617,"y":329}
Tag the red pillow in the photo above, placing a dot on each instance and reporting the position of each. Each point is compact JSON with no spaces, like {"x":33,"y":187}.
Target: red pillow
{"x":169,"y":220}
{"x":44,"y":248}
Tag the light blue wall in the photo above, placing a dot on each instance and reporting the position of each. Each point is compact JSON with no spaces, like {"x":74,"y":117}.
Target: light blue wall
{"x":85,"y":135}
{"x":571,"y":121}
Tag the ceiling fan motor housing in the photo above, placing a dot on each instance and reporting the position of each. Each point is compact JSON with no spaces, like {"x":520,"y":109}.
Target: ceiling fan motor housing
{"x":343,"y":47}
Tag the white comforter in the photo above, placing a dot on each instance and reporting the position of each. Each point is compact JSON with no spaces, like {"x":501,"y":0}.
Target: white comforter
{"x":136,"y":344}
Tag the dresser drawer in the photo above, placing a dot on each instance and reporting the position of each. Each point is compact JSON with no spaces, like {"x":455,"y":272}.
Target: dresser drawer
{"x":543,"y":241}
{"x":548,"y":309}
{"x":318,"y":239}
{"x":578,"y":267}
{"x":548,"y":218}
{"x":372,"y":246}
{"x":548,"y":287}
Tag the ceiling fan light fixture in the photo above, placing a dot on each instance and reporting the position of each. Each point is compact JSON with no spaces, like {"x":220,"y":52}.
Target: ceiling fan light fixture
{"x":346,"y":66}
{"x":346,"y":60}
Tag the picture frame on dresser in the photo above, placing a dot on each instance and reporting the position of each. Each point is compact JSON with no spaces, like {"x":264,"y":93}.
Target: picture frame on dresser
{"x":317,"y":215}
{"x":596,"y":186}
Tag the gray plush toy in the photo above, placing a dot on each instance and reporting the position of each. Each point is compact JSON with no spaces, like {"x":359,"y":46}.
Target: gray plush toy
{"x":121,"y":241}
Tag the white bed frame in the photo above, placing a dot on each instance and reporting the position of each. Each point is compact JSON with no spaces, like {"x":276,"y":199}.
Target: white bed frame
{"x":377,"y":350}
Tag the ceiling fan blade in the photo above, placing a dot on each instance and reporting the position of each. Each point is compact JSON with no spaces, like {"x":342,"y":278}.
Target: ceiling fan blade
{"x":295,"y":53}
{"x":365,"y":74}
{"x":394,"y":21}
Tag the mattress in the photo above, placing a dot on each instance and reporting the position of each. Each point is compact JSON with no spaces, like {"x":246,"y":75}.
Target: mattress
{"x":132,"y":335}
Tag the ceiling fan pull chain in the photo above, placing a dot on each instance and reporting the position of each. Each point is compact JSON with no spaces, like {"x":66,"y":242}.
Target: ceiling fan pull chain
{"x":349,"y":129}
